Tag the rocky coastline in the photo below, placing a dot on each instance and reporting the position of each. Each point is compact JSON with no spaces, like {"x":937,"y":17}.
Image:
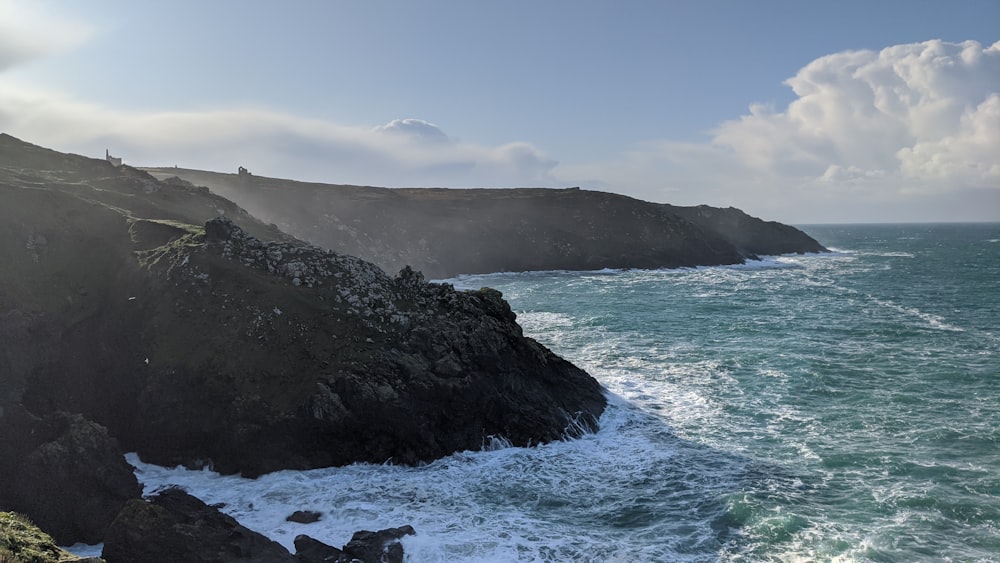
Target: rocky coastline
{"x":158,"y":317}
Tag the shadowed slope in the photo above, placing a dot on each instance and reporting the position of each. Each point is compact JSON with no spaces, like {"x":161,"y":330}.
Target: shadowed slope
{"x":445,"y":232}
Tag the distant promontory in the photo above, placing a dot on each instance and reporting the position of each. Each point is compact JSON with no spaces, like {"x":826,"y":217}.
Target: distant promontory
{"x":445,"y":232}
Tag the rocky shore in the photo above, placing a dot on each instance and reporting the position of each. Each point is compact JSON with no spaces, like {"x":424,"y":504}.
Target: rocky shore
{"x":158,"y":317}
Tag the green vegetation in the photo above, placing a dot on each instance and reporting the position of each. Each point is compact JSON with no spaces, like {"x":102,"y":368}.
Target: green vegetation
{"x":22,"y":542}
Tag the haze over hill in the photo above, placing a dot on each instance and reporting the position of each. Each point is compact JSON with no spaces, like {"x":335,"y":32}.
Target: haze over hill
{"x":446,"y":232}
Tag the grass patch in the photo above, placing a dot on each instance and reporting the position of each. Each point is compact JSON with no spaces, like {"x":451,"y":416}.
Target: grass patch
{"x":22,"y":542}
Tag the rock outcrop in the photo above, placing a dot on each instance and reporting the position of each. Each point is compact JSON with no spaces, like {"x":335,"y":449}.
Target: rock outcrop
{"x":446,"y":232}
{"x":382,"y":546}
{"x":237,"y":346}
{"x":174,"y":526}
{"x":334,"y":362}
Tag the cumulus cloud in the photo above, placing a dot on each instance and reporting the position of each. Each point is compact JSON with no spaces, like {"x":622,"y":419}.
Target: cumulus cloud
{"x":866,"y":128}
{"x":417,"y":129}
{"x":920,"y":112}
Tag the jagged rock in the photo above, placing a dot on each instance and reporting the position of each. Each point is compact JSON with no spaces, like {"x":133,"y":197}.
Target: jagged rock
{"x":380,"y":546}
{"x":360,"y":367}
{"x":446,"y":232}
{"x":175,"y":526}
{"x":367,"y":547}
{"x":23,"y":542}
{"x":72,"y":482}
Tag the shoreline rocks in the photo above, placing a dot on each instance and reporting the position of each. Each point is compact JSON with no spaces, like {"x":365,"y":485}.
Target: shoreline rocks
{"x":174,"y":526}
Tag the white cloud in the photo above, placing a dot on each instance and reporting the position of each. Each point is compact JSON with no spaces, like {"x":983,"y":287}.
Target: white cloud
{"x":414,"y":128}
{"x":28,"y":30}
{"x":867,"y":128}
{"x":877,"y":111}
{"x":965,"y":156}
{"x":898,"y":131}
{"x":404,"y":152}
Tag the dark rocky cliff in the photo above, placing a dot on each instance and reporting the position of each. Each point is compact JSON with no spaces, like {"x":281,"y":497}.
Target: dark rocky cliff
{"x":202,"y":340}
{"x":445,"y":232}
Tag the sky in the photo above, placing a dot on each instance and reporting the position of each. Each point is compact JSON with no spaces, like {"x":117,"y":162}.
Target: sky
{"x":800,"y":112}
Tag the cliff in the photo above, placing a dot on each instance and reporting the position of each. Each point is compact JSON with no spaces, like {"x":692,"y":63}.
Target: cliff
{"x":195,"y":334}
{"x":446,"y":232}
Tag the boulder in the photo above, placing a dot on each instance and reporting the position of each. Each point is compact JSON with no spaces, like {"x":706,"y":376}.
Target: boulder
{"x":304,"y":517}
{"x":74,"y":481}
{"x":309,"y":550}
{"x":382,"y":546}
{"x":174,"y":526}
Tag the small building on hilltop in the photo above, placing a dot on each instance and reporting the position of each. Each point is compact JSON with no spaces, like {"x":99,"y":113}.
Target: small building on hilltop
{"x":244,"y":172}
{"x":115,"y":161}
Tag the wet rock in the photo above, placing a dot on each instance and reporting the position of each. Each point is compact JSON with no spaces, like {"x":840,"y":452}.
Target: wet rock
{"x":304,"y":517}
{"x":382,"y":546}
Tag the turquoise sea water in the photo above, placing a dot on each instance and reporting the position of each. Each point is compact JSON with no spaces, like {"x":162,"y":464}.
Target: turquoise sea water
{"x":843,"y":406}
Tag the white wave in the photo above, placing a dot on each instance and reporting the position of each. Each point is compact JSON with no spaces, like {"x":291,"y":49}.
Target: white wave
{"x":770,"y":263}
{"x":835,"y":251}
{"x":539,"y":321}
{"x":85,"y":550}
{"x":933,"y":321}
{"x":554,"y":502}
{"x":889,"y":254}
{"x":780,"y":261}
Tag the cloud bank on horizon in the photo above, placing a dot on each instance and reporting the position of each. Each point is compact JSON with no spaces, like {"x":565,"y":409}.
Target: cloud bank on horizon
{"x":908,"y":124}
{"x":870,"y":135}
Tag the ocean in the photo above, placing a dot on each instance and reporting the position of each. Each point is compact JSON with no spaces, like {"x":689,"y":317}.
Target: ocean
{"x":832,"y":407}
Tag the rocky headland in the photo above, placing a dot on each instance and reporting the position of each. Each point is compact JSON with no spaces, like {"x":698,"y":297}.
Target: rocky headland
{"x":447,"y":232}
{"x":157,"y":317}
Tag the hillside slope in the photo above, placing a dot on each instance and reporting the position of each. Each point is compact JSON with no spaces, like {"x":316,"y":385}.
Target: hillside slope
{"x":446,"y":232}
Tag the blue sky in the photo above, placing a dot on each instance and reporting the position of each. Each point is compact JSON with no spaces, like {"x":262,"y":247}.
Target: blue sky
{"x":795,"y":111}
